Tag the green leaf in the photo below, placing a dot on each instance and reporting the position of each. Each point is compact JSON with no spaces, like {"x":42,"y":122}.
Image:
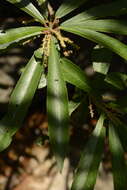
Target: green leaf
{"x":110,"y":9}
{"x":117,"y":79}
{"x":107,"y":41}
{"x":101,"y":58}
{"x":29,"y":8}
{"x":118,"y":162}
{"x":43,"y":81}
{"x":121,"y":129}
{"x":85,"y":176}
{"x":57,"y":107}
{"x":17,"y":34}
{"x":107,"y":25}
{"x":73,"y":105}
{"x":74,"y":75}
{"x":67,"y":7}
{"x":20,"y":100}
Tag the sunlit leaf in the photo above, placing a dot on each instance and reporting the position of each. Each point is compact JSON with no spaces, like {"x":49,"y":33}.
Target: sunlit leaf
{"x":68,"y":6}
{"x":106,"y":25}
{"x":110,"y":9}
{"x":57,"y":107}
{"x":44,"y":7}
{"x":20,"y":100}
{"x":86,"y":173}
{"x":119,"y":167}
{"x":29,"y":8}
{"x":103,"y":39}
{"x":17,"y":34}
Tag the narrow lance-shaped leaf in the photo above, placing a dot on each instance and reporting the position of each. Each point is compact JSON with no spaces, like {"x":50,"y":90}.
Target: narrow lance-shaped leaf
{"x":74,"y":75}
{"x":57,"y":106}
{"x":119,"y":167}
{"x":103,"y":39}
{"x":110,"y":9}
{"x":85,"y":176}
{"x":107,"y":25}
{"x":44,"y":7}
{"x":68,"y":6}
{"x":17,"y":34}
{"x":20,"y":100}
{"x":29,"y":8}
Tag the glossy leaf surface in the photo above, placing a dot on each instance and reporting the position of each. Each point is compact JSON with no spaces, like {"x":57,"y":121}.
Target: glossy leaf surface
{"x":20,"y":100}
{"x":68,"y":6}
{"x":85,"y":176}
{"x":107,"y":25}
{"x":57,"y":106}
{"x":118,"y":162}
{"x":29,"y":8}
{"x":17,"y":34}
{"x":110,"y":9}
{"x":105,"y":40}
{"x":74,"y":75}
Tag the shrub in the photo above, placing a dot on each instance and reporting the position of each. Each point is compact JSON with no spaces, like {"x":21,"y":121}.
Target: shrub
{"x":50,"y":63}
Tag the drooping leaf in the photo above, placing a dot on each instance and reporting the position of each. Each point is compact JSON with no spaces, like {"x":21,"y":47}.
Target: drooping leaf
{"x":106,"y":25}
{"x":74,"y":75}
{"x":103,"y":39}
{"x":101,"y":58}
{"x":57,"y":107}
{"x":17,"y":34}
{"x":110,"y":9}
{"x":85,"y":176}
{"x":67,"y":7}
{"x":20,"y":100}
{"x":29,"y":8}
{"x":119,"y":167}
